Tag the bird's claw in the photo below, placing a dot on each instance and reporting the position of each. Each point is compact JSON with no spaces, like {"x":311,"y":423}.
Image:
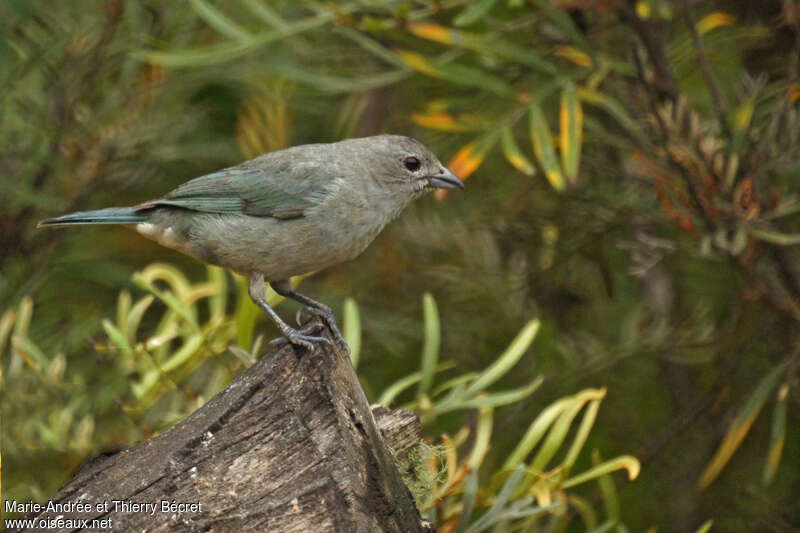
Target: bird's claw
{"x":326,"y":315}
{"x":301,"y":337}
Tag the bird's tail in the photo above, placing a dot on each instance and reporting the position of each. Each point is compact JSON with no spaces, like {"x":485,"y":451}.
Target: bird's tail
{"x":111,"y":215}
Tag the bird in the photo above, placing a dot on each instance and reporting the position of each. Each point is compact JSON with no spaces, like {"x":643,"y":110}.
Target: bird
{"x":287,"y":213}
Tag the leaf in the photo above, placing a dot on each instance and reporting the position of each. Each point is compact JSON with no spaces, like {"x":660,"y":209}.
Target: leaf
{"x":563,"y":21}
{"x":614,"y":108}
{"x":430,"y":349}
{"x":558,"y":433}
{"x":351,"y":330}
{"x":471,"y":156}
{"x":483,"y":434}
{"x":740,"y":426}
{"x":514,"y":154}
{"x":488,"y":400}
{"x":777,"y":436}
{"x":468,"y":501}
{"x":535,"y":433}
{"x":714,"y":20}
{"x":544,"y":149}
{"x":6,"y":325}
{"x":436,"y":33}
{"x":571,"y":129}
{"x":220,"y":22}
{"x":475,"y":10}
{"x":508,"y":359}
{"x":401,"y":385}
{"x":582,"y":434}
{"x":228,"y":51}
{"x":116,"y":336}
{"x":482,"y":45}
{"x":419,"y":63}
{"x":774,"y":237}
{"x":705,"y":527}
{"x":624,"y":462}
{"x":459,"y":74}
{"x":571,"y":53}
{"x":438,"y":120}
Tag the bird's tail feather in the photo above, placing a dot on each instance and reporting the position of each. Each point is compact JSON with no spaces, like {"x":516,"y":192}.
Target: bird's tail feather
{"x":111,"y":215}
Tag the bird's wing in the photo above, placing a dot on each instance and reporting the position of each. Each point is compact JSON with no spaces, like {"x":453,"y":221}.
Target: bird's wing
{"x":246,"y":190}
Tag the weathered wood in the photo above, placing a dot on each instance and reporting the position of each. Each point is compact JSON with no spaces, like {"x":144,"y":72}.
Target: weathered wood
{"x":291,"y":445}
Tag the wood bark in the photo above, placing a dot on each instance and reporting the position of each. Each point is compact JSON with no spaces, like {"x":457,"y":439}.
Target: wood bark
{"x":289,"y":446}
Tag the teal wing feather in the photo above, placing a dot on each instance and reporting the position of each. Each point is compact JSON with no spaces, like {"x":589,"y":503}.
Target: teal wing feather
{"x":246,"y":190}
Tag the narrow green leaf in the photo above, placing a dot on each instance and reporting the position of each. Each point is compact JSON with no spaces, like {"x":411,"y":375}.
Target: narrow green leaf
{"x":6,"y":325}
{"x":489,"y":400}
{"x":582,"y":434}
{"x":262,"y":11}
{"x":558,"y":433}
{"x":218,"y":298}
{"x":351,"y":329}
{"x":774,"y":237}
{"x":474,"y":12}
{"x":187,"y":350}
{"x":741,"y":426}
{"x":777,"y":436}
{"x":607,"y":488}
{"x":228,"y":51}
{"x":467,"y":501}
{"x":508,"y":359}
{"x":563,"y":21}
{"x":116,"y":336}
{"x":401,"y":385}
{"x":571,"y":130}
{"x":483,"y":434}
{"x":123,"y":308}
{"x":535,"y":433}
{"x":514,"y":154}
{"x":706,"y":527}
{"x":544,"y":149}
{"x":430,"y":350}
{"x":220,"y":22}
{"x":585,"y":509}
{"x":613,"y":108}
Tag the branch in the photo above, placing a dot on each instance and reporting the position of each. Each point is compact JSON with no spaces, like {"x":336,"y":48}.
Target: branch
{"x":291,"y":445}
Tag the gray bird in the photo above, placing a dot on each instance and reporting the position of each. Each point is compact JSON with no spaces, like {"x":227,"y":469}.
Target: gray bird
{"x":287,"y":213}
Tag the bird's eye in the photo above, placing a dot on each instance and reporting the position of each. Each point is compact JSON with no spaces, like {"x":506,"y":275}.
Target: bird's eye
{"x":412,"y":164}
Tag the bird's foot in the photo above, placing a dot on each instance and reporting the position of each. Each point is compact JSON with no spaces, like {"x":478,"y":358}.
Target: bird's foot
{"x":301,"y":337}
{"x":327,"y":315}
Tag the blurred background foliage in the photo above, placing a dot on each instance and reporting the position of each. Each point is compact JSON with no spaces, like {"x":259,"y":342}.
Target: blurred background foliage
{"x":632,"y":184}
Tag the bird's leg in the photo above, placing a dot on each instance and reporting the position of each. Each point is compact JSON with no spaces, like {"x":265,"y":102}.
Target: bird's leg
{"x":284,"y":288}
{"x":258,"y":292}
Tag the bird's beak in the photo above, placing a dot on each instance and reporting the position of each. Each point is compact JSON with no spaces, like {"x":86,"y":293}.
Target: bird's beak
{"x":445,"y":179}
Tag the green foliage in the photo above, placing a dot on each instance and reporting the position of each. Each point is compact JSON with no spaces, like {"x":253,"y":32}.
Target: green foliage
{"x":522,"y":494}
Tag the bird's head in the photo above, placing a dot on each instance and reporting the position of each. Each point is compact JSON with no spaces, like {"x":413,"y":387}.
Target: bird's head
{"x":408,"y":165}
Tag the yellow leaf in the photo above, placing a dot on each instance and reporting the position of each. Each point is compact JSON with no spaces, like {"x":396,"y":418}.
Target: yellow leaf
{"x":418,"y":62}
{"x":433,"y":32}
{"x":544,"y":149}
{"x":571,"y":130}
{"x":437,"y":120}
{"x":466,"y":161}
{"x":571,"y":53}
{"x":514,"y":154}
{"x":793,"y":92}
{"x":643,"y":9}
{"x":714,"y":20}
{"x":740,"y":426}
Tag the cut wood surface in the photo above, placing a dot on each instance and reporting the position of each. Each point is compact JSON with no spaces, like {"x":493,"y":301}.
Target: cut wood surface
{"x":291,"y":445}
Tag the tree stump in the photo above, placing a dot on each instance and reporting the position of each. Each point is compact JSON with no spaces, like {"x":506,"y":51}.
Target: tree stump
{"x":289,"y":446}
